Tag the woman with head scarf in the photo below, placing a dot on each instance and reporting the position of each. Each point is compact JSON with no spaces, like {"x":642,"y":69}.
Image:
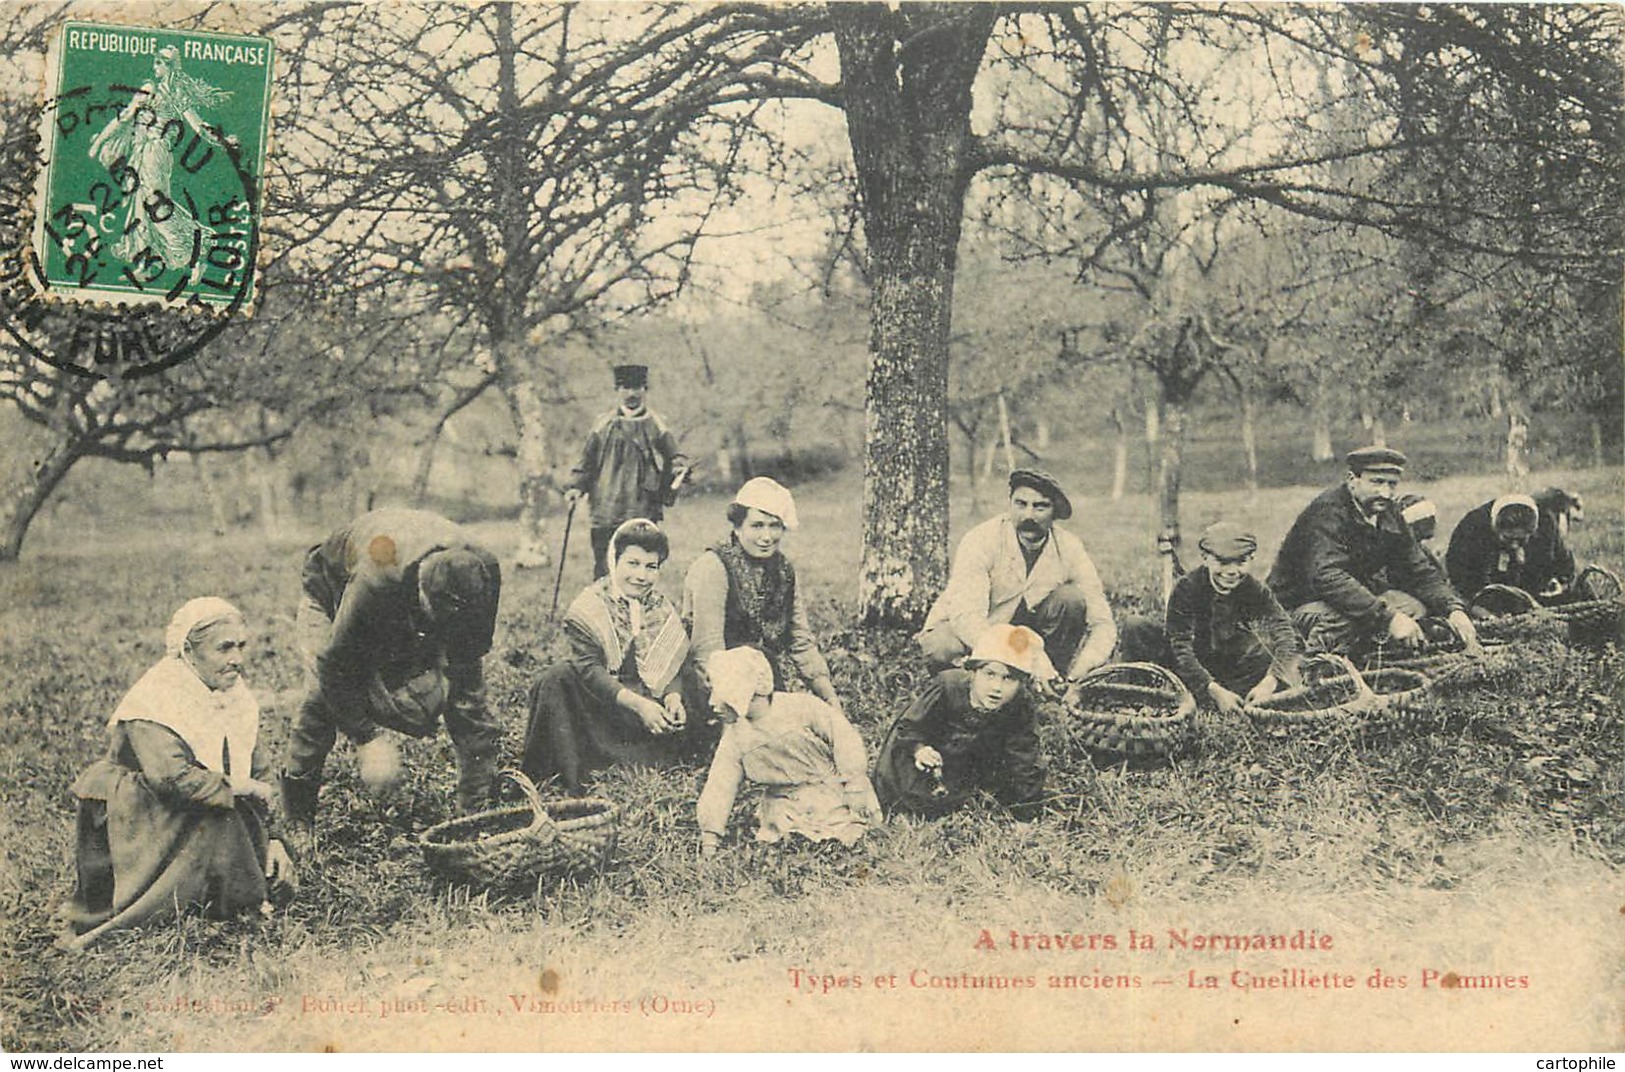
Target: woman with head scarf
{"x":1490,"y":545}
{"x":807,"y":755}
{"x":617,"y":698}
{"x":743,"y":591}
{"x":175,"y":813}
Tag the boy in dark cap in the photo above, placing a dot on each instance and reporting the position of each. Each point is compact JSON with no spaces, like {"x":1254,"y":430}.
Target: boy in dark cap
{"x":630,"y":466}
{"x":398,"y":611}
{"x":1021,"y":569}
{"x":1226,"y":636}
{"x":1350,"y":571}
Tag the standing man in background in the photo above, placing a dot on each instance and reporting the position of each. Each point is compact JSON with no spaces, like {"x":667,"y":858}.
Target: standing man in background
{"x":630,"y":467}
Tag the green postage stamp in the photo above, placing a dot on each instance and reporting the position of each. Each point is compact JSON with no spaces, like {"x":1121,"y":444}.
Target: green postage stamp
{"x":154,"y":145}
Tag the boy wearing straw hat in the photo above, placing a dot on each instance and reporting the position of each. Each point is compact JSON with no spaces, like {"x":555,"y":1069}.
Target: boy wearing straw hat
{"x":971,"y":729}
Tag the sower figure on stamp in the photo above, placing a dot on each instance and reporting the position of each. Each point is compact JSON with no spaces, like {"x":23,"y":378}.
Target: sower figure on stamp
{"x":398,"y":611}
{"x":1350,"y":571}
{"x":630,"y":466}
{"x":1019,"y":568}
{"x":1226,"y":636}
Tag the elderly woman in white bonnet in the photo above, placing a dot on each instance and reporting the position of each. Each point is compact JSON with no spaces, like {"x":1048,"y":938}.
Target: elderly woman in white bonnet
{"x":175,"y":814}
{"x":803,"y":751}
{"x":744,"y":591}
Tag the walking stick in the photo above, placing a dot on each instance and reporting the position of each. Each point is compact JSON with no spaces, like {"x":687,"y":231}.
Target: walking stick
{"x":564,"y":545}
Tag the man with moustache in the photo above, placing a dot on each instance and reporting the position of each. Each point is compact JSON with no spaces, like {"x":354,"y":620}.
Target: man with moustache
{"x":1020,"y":569}
{"x":1350,"y":571}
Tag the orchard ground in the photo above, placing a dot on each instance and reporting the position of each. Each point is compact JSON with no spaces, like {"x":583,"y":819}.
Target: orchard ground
{"x":1481,"y":836}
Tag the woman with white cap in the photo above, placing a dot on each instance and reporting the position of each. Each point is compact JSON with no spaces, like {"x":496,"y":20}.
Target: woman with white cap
{"x":743,"y":591}
{"x":803,"y":751}
{"x":1490,"y":546}
{"x":972,"y":729}
{"x":175,"y":814}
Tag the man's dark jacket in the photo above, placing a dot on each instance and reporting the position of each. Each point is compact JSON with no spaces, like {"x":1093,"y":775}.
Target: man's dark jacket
{"x":1334,"y":555}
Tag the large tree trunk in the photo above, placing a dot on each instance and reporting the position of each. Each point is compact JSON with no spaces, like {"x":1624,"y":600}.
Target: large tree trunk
{"x":24,"y":500}
{"x":907,"y":76}
{"x":1517,"y":450}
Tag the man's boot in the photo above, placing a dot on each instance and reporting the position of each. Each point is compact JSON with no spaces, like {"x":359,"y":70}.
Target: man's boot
{"x":476,"y":775}
{"x":299,"y":809}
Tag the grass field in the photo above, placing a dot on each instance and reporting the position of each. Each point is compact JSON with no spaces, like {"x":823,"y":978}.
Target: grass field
{"x":1482,"y":836}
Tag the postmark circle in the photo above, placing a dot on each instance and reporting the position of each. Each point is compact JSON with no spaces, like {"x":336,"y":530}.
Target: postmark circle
{"x":122,"y":310}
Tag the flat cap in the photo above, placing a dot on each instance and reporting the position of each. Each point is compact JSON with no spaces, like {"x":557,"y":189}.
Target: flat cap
{"x":1226,"y":539}
{"x":1046,"y":486}
{"x":1376,"y":460}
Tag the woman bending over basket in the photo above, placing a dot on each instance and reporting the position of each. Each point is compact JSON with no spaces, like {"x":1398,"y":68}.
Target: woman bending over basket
{"x":617,"y":698}
{"x":1227,"y":638}
{"x":803,"y":750}
{"x":175,"y":813}
{"x":972,"y":729}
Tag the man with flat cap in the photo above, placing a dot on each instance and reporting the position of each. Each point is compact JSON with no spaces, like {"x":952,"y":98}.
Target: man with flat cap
{"x":630,"y":466}
{"x":1351,"y":573}
{"x":1021,"y":569}
{"x":1226,"y":636}
{"x":398,"y":610}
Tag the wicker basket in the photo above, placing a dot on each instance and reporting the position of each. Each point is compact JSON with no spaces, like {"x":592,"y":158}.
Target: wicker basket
{"x":1132,"y":709}
{"x":1332,"y":689}
{"x":1504,"y":601}
{"x":1455,"y":670}
{"x":505,"y":847}
{"x":1598,"y":583}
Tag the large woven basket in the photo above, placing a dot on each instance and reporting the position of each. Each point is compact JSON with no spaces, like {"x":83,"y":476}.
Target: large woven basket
{"x":1504,"y":601}
{"x":1451,"y":670}
{"x":506,"y":847}
{"x":1332,"y":689}
{"x":1131,"y":709}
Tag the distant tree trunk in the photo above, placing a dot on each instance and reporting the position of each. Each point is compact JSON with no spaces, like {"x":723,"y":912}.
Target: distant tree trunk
{"x":1153,"y":439}
{"x":1043,"y":434}
{"x":530,"y":424}
{"x":261,"y":467}
{"x":211,"y":493}
{"x":1497,"y":406}
{"x":1169,"y":473}
{"x":463,"y":398}
{"x":1379,"y":430}
{"x":907,"y":97}
{"x":1320,"y":419}
{"x":1005,"y":436}
{"x":1119,"y":454}
{"x":1517,"y":450}
{"x":23,"y":502}
{"x":1249,"y":440}
{"x":1597,"y":458}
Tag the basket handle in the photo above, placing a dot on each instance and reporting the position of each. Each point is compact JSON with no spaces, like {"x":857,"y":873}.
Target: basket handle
{"x":540,"y":820}
{"x":1187,"y":702}
{"x":1344,"y":665}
